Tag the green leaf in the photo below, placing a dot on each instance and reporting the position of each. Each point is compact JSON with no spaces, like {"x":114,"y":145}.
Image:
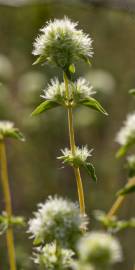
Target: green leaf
{"x":93,"y":104}
{"x":16,"y":134}
{"x":132,"y":92}
{"x":41,"y":59}
{"x":126,"y":190}
{"x":91,"y":171}
{"x":37,"y":241}
{"x":122,"y":151}
{"x":72,"y":68}
{"x":45,"y":106}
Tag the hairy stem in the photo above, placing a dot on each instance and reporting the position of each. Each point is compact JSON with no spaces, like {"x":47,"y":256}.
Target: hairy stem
{"x":8,"y":206}
{"x":72,"y":146}
{"x":117,"y":204}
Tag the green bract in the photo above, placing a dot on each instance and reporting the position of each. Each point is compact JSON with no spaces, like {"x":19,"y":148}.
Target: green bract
{"x":52,"y":257}
{"x":7,"y":129}
{"x":62,"y":44}
{"x":79,"y":93}
{"x":79,"y":159}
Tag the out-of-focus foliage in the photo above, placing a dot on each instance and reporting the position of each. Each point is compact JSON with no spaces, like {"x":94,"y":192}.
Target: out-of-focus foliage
{"x":34,"y":171}
{"x":112,"y":223}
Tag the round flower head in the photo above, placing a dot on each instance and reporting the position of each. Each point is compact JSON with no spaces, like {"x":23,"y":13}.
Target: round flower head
{"x":57,"y":219}
{"x":79,"y":159}
{"x":7,"y":129}
{"x":100,"y":249}
{"x":127,"y":133}
{"x":80,"y":156}
{"x":61,"y":43}
{"x":52,"y":257}
{"x":78,"y":90}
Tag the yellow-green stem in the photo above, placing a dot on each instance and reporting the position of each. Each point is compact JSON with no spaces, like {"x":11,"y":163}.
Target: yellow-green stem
{"x":8,"y":205}
{"x":72,"y":146}
{"x":117,"y":204}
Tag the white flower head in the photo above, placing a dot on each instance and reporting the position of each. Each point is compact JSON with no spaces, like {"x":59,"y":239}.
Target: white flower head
{"x":78,"y":90}
{"x":6,"y":126}
{"x":79,"y":159}
{"x":57,"y":219}
{"x":127,"y":133}
{"x":55,"y":91}
{"x":83,"y":88}
{"x":81,"y":154}
{"x":100,"y":249}
{"x":61,"y":43}
{"x":52,"y":257}
{"x":7,"y":129}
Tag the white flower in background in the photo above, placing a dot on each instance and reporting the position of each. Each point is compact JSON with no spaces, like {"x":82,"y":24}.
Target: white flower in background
{"x":78,"y":90}
{"x":6,"y":126}
{"x":61,"y":43}
{"x":127,"y":133}
{"x":7,"y":129}
{"x":52,"y":257}
{"x":99,"y":249}
{"x":57,"y":219}
{"x":131,"y":160}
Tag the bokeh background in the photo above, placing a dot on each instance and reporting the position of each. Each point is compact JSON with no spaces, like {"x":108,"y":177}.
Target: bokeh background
{"x":34,"y":170}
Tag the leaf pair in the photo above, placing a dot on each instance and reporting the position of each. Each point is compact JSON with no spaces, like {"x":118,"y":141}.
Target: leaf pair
{"x":50,"y":104}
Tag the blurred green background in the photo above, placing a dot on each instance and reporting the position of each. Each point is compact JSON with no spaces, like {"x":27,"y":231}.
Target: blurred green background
{"x":34,"y":170}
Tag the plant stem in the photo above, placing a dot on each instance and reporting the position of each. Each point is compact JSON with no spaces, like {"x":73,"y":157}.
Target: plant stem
{"x":117,"y":204}
{"x":73,"y":146}
{"x":8,"y":206}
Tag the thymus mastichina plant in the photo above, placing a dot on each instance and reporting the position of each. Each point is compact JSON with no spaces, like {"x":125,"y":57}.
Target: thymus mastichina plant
{"x":7,"y":130}
{"x":62,"y":44}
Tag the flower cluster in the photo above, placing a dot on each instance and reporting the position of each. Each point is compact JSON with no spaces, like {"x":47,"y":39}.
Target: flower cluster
{"x":79,"y":159}
{"x":78,"y":90}
{"x":99,"y":249}
{"x":59,"y":220}
{"x":60,"y":43}
{"x":7,"y":129}
{"x":126,"y":136}
{"x":51,"y":257}
{"x":127,"y":133}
